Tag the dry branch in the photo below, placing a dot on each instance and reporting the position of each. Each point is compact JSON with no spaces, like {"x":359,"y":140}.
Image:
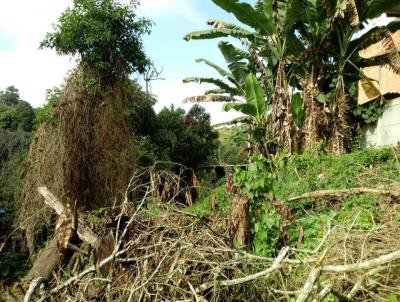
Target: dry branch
{"x":309,"y":285}
{"x":339,"y":193}
{"x":324,"y":292}
{"x":366,"y":265}
{"x":117,"y":251}
{"x":32,"y":287}
{"x":275,"y":266}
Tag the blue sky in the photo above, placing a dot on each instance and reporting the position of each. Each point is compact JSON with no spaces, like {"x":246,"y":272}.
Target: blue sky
{"x":33,"y":71}
{"x":176,"y":57}
{"x":6,"y":41}
{"x":24,"y":23}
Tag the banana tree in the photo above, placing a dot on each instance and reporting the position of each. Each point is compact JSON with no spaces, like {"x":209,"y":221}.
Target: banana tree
{"x":270,"y":46}
{"x":330,"y":65}
{"x":231,"y":83}
{"x":305,"y":45}
{"x":254,"y":108}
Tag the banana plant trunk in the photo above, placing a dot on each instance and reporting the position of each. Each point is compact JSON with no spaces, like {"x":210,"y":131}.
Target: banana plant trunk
{"x":315,"y":118}
{"x":281,"y":131}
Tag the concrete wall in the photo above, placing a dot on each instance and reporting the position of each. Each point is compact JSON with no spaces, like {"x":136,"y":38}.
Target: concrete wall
{"x":387,"y":130}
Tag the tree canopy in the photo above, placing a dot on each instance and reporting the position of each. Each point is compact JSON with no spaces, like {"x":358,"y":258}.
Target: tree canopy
{"x":105,"y":34}
{"x":10,"y":96}
{"x":15,"y":114}
{"x":179,"y":137}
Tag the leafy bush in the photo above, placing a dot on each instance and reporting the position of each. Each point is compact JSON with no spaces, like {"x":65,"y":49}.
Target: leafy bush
{"x":13,"y":147}
{"x":17,"y":117}
{"x":45,"y":114}
{"x":257,"y":183}
{"x":231,"y":150}
{"x":203,"y":206}
{"x":306,"y":173}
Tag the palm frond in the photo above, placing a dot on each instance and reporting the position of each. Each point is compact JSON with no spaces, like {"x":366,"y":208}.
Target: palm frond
{"x":224,"y":73}
{"x":218,"y":33}
{"x":210,"y":98}
{"x":217,"y":82}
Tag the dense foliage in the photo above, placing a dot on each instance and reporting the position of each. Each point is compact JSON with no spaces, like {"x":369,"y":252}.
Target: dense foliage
{"x":9,"y":96}
{"x":45,"y":114}
{"x":180,"y":137}
{"x":15,"y":114}
{"x":13,"y":148}
{"x":232,"y":149}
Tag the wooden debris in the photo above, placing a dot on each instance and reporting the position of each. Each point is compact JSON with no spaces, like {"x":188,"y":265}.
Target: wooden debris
{"x":340,"y":193}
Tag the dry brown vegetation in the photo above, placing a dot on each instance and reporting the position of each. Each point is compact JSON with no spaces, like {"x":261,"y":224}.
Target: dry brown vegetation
{"x":87,"y":159}
{"x":149,"y":251}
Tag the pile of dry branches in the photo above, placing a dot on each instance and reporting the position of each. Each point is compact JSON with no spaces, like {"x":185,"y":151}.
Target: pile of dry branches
{"x":154,"y":252}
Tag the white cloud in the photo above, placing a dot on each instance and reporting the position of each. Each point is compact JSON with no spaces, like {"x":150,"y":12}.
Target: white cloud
{"x":32,"y":70}
{"x":23,"y":65}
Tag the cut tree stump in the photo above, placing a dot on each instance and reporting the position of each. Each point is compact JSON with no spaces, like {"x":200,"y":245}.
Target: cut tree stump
{"x":53,"y":254}
{"x":84,"y":233}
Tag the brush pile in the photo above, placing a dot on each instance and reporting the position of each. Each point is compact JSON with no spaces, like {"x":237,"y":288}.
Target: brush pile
{"x":145,"y":250}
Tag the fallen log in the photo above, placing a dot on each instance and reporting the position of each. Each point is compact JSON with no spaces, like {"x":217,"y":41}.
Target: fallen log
{"x":47,"y":262}
{"x":340,"y":193}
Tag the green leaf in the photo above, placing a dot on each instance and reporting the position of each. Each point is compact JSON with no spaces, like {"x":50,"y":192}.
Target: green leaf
{"x":298,"y":113}
{"x":321,"y":98}
{"x":240,"y":107}
{"x":221,"y":84}
{"x":224,"y":73}
{"x":265,"y":8}
{"x":255,"y":96}
{"x":235,"y":57}
{"x":219,"y":69}
{"x":392,"y":298}
{"x":378,"y":7}
{"x":246,"y":14}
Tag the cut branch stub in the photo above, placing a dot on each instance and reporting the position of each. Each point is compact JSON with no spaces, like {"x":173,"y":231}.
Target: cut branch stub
{"x":84,"y":233}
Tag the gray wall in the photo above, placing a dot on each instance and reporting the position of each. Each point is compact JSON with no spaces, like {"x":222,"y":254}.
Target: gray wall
{"x":387,"y":130}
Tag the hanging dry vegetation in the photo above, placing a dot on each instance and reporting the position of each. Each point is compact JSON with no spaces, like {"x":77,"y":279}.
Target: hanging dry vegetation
{"x":88,"y":158}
